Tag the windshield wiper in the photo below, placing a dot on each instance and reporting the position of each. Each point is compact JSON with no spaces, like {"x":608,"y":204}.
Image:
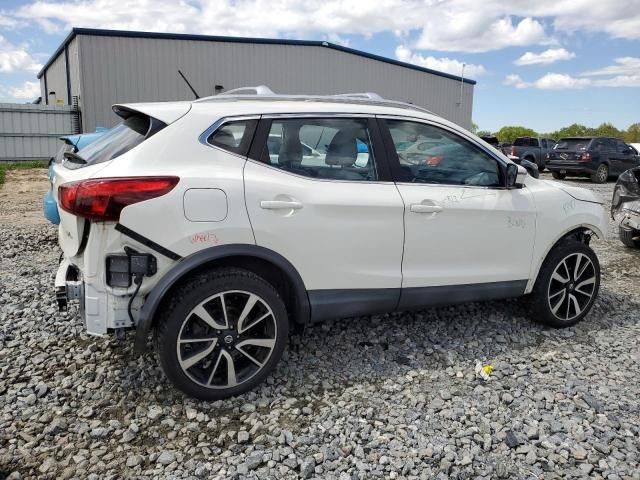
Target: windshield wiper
{"x":74,"y":158}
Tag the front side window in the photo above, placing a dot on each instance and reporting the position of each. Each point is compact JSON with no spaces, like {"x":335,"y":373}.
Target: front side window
{"x":323,"y":148}
{"x":429,"y":154}
{"x":234,"y":137}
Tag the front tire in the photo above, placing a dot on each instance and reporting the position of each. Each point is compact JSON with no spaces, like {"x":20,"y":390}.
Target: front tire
{"x":558,"y":175}
{"x":567,"y":285}
{"x":222,"y":333}
{"x":601,"y":175}
{"x":628,"y":237}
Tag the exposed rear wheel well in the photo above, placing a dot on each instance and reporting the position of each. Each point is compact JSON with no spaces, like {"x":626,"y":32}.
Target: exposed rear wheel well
{"x":263,"y":268}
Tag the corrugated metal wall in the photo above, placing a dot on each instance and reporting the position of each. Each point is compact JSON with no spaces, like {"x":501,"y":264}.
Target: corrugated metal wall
{"x":57,"y":82}
{"x":30,"y":132}
{"x":121,"y":69}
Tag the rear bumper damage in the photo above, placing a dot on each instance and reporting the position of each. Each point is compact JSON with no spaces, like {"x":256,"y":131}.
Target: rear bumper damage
{"x":101,"y":311}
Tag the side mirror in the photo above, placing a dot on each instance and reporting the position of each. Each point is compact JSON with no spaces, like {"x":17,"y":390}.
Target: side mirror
{"x":512,"y":175}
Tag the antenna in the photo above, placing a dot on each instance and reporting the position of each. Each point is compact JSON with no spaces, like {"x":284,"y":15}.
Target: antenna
{"x":461,"y":85}
{"x":189,"y":85}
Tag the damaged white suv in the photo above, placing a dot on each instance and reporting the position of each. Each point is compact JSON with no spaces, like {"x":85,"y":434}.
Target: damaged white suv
{"x":222,"y":223}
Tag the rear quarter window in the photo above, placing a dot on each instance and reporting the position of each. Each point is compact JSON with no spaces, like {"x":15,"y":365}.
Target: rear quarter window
{"x":134,"y":130}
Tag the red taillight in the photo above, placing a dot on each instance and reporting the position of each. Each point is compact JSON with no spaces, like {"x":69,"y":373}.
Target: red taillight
{"x":585,"y":157}
{"x":513,"y":150}
{"x":102,"y":199}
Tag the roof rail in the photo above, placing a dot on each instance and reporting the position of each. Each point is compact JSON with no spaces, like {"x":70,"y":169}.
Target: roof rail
{"x":367,"y":95}
{"x":257,"y":90}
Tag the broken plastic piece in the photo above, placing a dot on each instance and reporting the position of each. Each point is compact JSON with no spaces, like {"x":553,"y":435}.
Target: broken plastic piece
{"x":483,"y":371}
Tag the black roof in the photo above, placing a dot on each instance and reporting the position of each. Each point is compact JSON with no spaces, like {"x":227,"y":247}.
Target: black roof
{"x":209,"y":38}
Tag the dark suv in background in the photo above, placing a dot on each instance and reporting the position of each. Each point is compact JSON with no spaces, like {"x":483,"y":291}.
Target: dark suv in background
{"x":595,"y":157}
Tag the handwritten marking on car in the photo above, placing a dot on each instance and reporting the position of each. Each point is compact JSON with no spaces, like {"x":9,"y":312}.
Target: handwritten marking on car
{"x":205,"y":237}
{"x":569,"y":206}
{"x":516,"y":222}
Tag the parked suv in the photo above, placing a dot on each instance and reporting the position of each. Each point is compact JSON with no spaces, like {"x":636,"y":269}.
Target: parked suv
{"x":190,"y":220}
{"x":533,"y":149}
{"x":595,"y":157}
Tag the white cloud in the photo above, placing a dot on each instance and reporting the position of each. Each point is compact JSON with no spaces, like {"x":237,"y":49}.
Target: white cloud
{"x":514,"y":80}
{"x":445,"y":64}
{"x":560,"y":81}
{"x":624,"y":72}
{"x":622,"y":66}
{"x":16,"y":58}
{"x":27,"y":91}
{"x":551,"y":55}
{"x":468,"y":32}
{"x":452,"y":25}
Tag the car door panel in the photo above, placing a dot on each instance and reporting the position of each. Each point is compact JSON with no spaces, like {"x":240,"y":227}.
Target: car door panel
{"x":338,"y":234}
{"x":469,"y":236}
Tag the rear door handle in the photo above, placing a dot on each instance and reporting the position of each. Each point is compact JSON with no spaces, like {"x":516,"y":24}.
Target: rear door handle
{"x":280,"y":205}
{"x":421,"y":208}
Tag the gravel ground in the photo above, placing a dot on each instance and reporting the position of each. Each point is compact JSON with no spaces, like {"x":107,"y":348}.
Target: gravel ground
{"x":377,"y":397}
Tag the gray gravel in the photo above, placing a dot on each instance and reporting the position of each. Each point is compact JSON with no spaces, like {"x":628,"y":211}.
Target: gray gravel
{"x":377,"y":397}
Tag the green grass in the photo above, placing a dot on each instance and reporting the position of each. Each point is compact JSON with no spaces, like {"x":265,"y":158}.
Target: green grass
{"x":6,"y":166}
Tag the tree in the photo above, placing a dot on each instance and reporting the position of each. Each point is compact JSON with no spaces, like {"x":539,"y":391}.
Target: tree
{"x":632,"y":135}
{"x":607,"y":130}
{"x":509,"y":134}
{"x":474,"y":127}
{"x":484,"y":133}
{"x":574,"y":130}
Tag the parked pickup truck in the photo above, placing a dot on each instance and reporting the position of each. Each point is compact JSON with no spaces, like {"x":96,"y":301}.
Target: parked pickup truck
{"x":533,"y":149}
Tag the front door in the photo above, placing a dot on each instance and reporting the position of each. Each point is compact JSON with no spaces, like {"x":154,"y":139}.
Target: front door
{"x":320,"y":197}
{"x":463,"y":229}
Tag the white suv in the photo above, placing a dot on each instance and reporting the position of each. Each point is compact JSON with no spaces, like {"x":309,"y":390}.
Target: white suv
{"x":219,"y":224}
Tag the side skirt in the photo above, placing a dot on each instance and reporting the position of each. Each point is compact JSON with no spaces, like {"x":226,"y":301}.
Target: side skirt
{"x":419,"y":297}
{"x":330,"y":304}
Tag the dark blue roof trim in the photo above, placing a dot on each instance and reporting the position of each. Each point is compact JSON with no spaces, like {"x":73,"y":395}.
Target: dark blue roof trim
{"x":211,"y":38}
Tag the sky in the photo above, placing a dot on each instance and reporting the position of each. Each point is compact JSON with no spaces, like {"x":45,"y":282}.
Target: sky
{"x":543,"y":64}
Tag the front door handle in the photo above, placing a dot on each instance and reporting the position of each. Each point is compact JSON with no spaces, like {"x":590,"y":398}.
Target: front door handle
{"x":422,"y":208}
{"x":280,"y":205}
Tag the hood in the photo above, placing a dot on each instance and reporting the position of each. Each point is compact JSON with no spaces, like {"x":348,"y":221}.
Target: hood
{"x":579,"y":193}
{"x":166,"y":112}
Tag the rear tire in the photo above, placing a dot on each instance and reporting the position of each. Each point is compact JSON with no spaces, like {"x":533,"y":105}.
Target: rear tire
{"x":627,"y":237}
{"x":567,"y":285}
{"x":221,"y":334}
{"x":601,"y":175}
{"x":558,"y":175}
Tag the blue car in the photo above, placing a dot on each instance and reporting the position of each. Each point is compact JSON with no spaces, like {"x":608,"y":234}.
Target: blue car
{"x":72,"y":143}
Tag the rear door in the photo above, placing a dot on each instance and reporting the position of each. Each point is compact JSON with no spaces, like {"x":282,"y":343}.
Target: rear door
{"x":318,"y":192}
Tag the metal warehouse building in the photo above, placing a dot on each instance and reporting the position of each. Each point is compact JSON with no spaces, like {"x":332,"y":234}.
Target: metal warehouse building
{"x":97,"y":68}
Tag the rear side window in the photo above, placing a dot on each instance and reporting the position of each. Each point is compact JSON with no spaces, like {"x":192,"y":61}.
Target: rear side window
{"x":234,"y":137}
{"x":134,"y":130}
{"x":322,"y":148}
{"x":525,"y":142}
{"x":573,"y":144}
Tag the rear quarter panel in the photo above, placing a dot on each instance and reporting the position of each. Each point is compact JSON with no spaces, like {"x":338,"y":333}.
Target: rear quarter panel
{"x":177,"y":151}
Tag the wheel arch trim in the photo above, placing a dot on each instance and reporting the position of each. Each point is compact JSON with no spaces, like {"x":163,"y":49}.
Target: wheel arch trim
{"x":196,"y":260}
{"x":573,"y":228}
